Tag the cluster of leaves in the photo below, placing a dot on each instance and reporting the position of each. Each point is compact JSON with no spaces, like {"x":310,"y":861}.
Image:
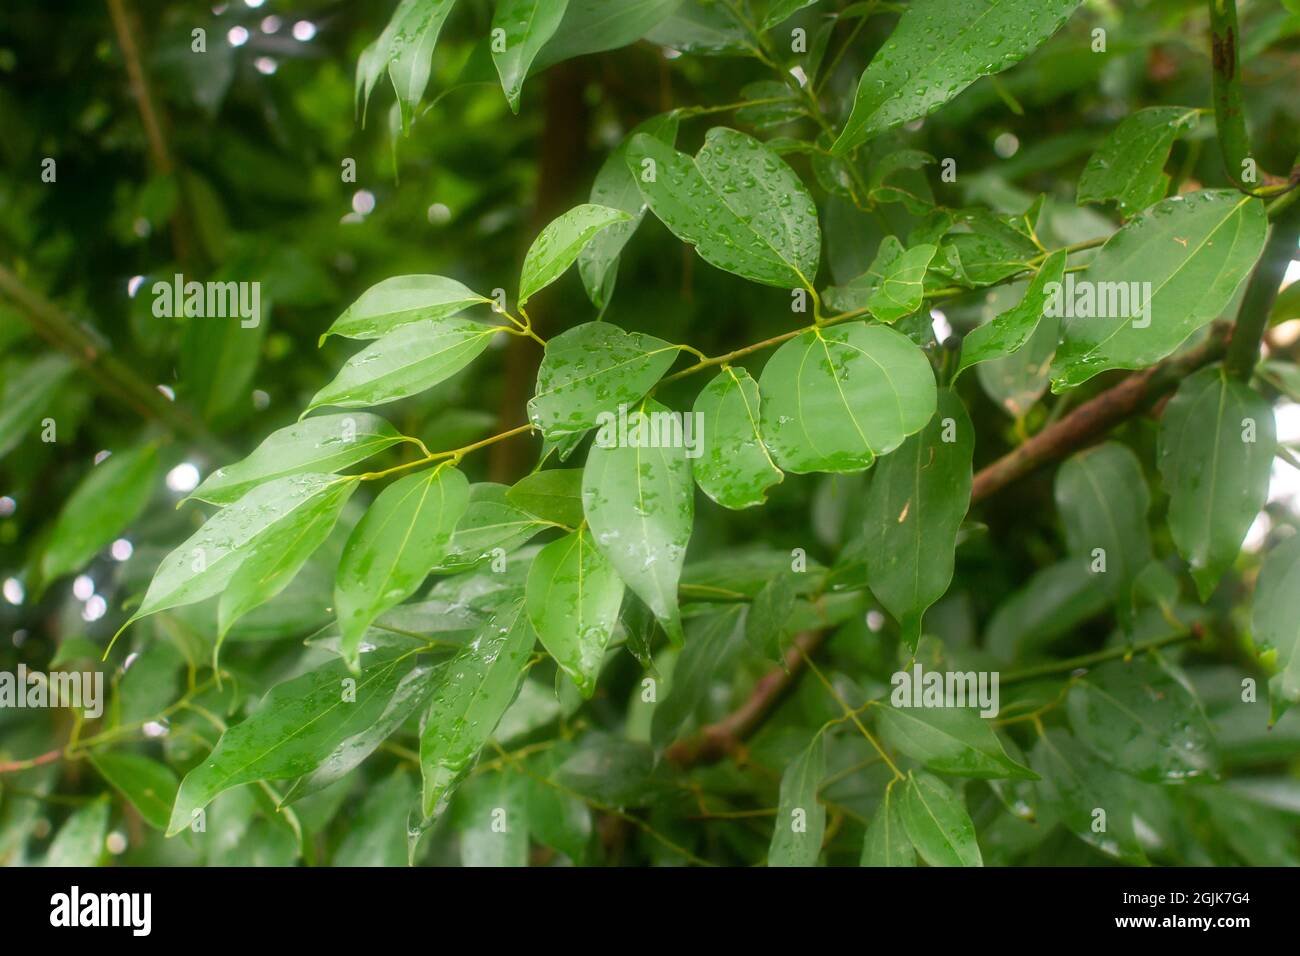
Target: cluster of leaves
{"x":513,"y":661}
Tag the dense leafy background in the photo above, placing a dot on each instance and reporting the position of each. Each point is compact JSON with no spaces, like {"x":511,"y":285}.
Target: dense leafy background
{"x":833,"y":518}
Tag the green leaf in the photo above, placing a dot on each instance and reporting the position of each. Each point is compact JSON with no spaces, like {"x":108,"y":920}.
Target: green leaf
{"x":886,"y":842}
{"x":405,"y":362}
{"x":1076,"y":785}
{"x":554,"y":495}
{"x":324,"y":444}
{"x":593,"y":26}
{"x":700,"y":26}
{"x":108,"y":499}
{"x":218,"y":358}
{"x":1182,"y":260}
{"x":377,"y":837}
{"x":319,"y":723}
{"x":952,"y":740}
{"x":737,"y":202}
{"x":80,"y":841}
{"x":491,"y":817}
{"x":713,"y":642}
{"x":835,"y":398}
{"x":615,"y":187}
{"x":146,"y":784}
{"x":573,"y":596}
{"x":778,"y":11}
{"x":593,"y":368}
{"x":915,"y":505}
{"x":1141,"y":719}
{"x":1217,"y":440}
{"x":405,"y":49}
{"x":939,"y":48}
{"x":899,"y":279}
{"x":1275,"y":623}
{"x":480,"y":683}
{"x":734,"y":467}
{"x":800,"y":818}
{"x":557,"y":819}
{"x":526,"y":26}
{"x":491,"y":524}
{"x":1103,"y":500}
{"x":403,"y":535}
{"x":402,"y":300}
{"x":765,"y":624}
{"x":937,"y":823}
{"x":26,"y":395}
{"x":1007,"y":333}
{"x":280,"y":554}
{"x":559,"y":244}
{"x":1052,"y":603}
{"x":1129,"y":166}
{"x":640,"y":505}
{"x":205,"y":563}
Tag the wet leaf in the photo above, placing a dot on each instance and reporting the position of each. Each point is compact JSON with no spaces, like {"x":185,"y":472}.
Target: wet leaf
{"x":525,"y":27}
{"x":1129,"y":165}
{"x":1217,"y":440}
{"x":937,"y":823}
{"x":573,"y":596}
{"x":835,"y":398}
{"x":404,"y":534}
{"x":950,"y":740}
{"x":477,"y":687}
{"x":559,"y":244}
{"x":553,"y":495}
{"x":800,"y":818}
{"x":886,"y":842}
{"x":1010,"y":330}
{"x":403,"y":300}
{"x":640,"y":506}
{"x":734,"y":467}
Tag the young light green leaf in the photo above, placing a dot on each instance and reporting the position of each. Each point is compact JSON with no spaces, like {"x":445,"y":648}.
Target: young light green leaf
{"x":313,"y":723}
{"x":205,"y":563}
{"x":404,"y":534}
{"x":554,"y":494}
{"x":80,"y":841}
{"x":405,"y":362}
{"x":402,"y":300}
{"x":405,"y":49}
{"x":146,"y":784}
{"x":1155,"y":282}
{"x":1275,"y":622}
{"x":835,"y":398}
{"x":886,"y":842}
{"x":1013,"y":328}
{"x":1103,"y":500}
{"x":1142,"y":719}
{"x":800,"y":818}
{"x":26,"y":394}
{"x":900,"y":279}
{"x":640,"y":505}
{"x":915,"y":505}
{"x":737,"y":202}
{"x":479,"y":685}
{"x":573,"y":596}
{"x":592,"y":368}
{"x":937,"y":823}
{"x":324,"y":444}
{"x":939,"y":48}
{"x":559,"y":244}
{"x":1129,"y":166}
{"x":1217,"y":440}
{"x":778,"y":11}
{"x":951,"y":740}
{"x":491,"y":526}
{"x":520,"y":28}
{"x":734,"y":467}
{"x":280,"y":554}
{"x":109,"y":498}
{"x":615,"y":187}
